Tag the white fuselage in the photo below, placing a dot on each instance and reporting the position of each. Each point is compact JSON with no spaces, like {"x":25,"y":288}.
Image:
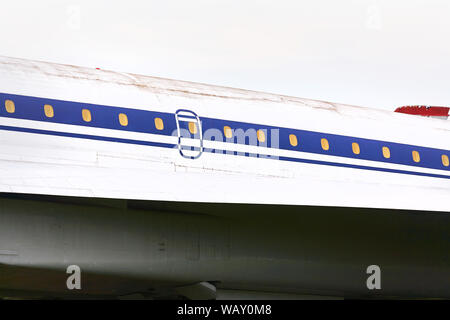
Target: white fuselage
{"x":81,"y":132}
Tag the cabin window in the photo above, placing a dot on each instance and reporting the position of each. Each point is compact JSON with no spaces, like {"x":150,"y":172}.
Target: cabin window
{"x":293,"y":140}
{"x":159,"y":124}
{"x":386,"y":152}
{"x":355,"y":148}
{"x":227,"y":132}
{"x":416,"y":156}
{"x":48,"y":110}
{"x":445,"y":160}
{"x":192,"y":127}
{"x":325,"y":144}
{"x":261,"y":136}
{"x":86,"y":115}
{"x":123,"y":119}
{"x":10,"y":106}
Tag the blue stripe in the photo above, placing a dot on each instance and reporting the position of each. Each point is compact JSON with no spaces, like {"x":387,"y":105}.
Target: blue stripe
{"x":88,"y":136}
{"x":355,"y":166}
{"x":67,"y":112}
{"x":169,"y":145}
{"x":341,"y":146}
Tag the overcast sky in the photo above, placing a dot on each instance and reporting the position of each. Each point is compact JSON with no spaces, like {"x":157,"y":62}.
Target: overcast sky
{"x":376,"y":53}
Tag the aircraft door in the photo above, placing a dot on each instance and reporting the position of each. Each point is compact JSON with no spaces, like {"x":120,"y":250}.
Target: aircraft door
{"x":190,"y":135}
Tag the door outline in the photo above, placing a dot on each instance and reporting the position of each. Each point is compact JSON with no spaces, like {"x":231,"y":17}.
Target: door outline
{"x":188,"y":116}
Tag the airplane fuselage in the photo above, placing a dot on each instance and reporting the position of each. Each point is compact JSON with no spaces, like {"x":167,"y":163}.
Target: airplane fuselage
{"x":160,"y":183}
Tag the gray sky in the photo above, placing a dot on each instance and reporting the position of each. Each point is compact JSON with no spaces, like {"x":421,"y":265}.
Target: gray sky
{"x":377,"y":53}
